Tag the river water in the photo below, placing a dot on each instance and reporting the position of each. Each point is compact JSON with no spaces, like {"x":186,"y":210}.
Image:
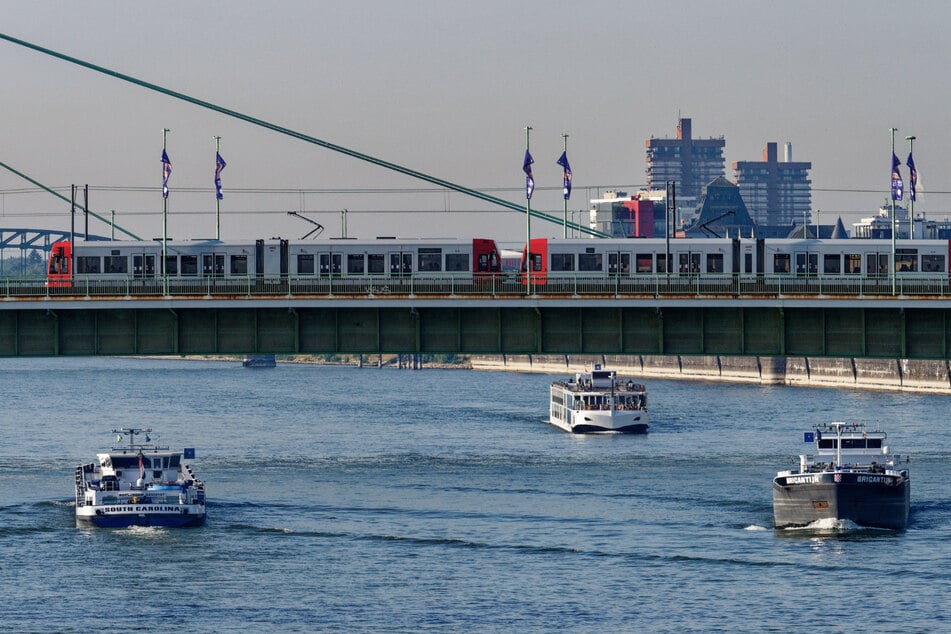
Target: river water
{"x":368,"y":500}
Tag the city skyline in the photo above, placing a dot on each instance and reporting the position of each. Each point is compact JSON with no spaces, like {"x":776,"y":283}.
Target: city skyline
{"x":409,"y":84}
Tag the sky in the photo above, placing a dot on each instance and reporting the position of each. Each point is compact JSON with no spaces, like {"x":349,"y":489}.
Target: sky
{"x":447,"y":88}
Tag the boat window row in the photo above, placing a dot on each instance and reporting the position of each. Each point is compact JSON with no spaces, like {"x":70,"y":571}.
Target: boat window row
{"x":852,"y":443}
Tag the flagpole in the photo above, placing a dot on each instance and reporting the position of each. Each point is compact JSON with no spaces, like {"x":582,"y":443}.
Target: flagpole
{"x":528,"y":221}
{"x":165,"y":132}
{"x":565,"y":138}
{"x":894,"y":224}
{"x":911,"y":190}
{"x":217,"y":200}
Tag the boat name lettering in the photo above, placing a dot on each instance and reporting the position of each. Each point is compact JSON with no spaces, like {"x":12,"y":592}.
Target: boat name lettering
{"x":873,"y":479}
{"x":806,"y":479}
{"x":141,"y":508}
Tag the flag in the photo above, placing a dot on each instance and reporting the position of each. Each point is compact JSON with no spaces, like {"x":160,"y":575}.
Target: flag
{"x":912,"y":178}
{"x":529,"y":179}
{"x":897,"y":185}
{"x":563,"y":161}
{"x":219,"y":165}
{"x":166,"y":172}
{"x":141,"y":467}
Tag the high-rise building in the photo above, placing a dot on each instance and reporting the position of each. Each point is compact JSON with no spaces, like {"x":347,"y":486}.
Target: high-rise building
{"x":690,"y":163}
{"x":776,"y":192}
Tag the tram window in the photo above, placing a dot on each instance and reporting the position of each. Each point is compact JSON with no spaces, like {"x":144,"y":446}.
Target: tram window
{"x":932,"y":263}
{"x":714,"y":263}
{"x":906,"y":260}
{"x":189,"y":265}
{"x":831,"y":264}
{"x":355,"y":264}
{"x":376,"y":263}
{"x":748,"y":262}
{"x":171,"y":264}
{"x":430,"y":260}
{"x":457,"y":261}
{"x":239,"y":265}
{"x":853,"y":264}
{"x":305,"y":263}
{"x":644,"y":263}
{"x":88,"y":264}
{"x":590,"y":262}
{"x":562,"y":261}
{"x":663,"y":263}
{"x":116,"y":264}
{"x":781,"y":263}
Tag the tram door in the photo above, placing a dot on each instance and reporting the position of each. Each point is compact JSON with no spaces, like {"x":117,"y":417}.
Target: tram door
{"x":619,"y":264}
{"x":329,"y":264}
{"x":143,"y":266}
{"x":877,"y":264}
{"x":689,"y":263}
{"x":807,"y":263}
{"x":212,"y":264}
{"x":401,"y":263}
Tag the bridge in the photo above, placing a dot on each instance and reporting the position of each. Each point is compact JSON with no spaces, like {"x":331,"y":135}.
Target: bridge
{"x":652,"y":315}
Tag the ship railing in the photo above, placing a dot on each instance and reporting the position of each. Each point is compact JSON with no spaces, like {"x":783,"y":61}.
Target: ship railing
{"x":81,"y":484}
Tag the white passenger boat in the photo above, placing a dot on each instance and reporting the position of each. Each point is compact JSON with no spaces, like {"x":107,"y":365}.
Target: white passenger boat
{"x":851,"y":477}
{"x":598,"y":402}
{"x":139,"y":484}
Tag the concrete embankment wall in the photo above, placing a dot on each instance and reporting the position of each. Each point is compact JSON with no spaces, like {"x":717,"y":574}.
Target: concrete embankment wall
{"x":877,"y":374}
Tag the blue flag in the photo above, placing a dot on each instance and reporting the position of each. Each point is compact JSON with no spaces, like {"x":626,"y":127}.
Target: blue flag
{"x":563,"y":161}
{"x":912,"y":178}
{"x":166,"y":172}
{"x":219,"y":165}
{"x":897,"y":185}
{"x":529,"y":179}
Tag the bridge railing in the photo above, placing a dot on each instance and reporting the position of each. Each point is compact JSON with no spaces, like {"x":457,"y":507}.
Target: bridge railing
{"x":920,"y":284}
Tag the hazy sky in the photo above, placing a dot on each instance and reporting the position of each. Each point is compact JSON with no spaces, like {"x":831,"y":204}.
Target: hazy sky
{"x":447,"y":87}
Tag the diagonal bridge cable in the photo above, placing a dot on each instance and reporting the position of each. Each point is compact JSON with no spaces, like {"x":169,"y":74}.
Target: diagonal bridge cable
{"x":303,"y":137}
{"x":59,"y":195}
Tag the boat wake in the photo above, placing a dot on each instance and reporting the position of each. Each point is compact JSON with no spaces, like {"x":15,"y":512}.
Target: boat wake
{"x":754,"y":527}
